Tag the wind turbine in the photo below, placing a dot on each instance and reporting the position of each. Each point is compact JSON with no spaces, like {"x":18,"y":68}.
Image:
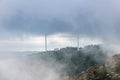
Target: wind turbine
{"x":45,"y":43}
{"x":78,"y":42}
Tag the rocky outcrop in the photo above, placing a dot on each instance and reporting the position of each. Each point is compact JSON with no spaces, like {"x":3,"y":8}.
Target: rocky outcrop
{"x":110,"y":70}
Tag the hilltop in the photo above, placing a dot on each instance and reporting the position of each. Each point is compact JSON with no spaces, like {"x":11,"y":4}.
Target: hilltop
{"x":74,"y":61}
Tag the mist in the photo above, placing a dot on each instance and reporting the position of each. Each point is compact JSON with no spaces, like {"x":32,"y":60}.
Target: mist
{"x":23,"y":24}
{"x":16,"y":68}
{"x":94,"y":19}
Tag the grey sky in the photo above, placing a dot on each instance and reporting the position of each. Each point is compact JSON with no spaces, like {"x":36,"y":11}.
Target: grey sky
{"x":92,"y":18}
{"x":51,"y":16}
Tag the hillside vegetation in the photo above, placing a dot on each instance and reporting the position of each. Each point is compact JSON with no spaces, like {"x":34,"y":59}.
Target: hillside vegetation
{"x":74,"y":61}
{"x":109,"y":70}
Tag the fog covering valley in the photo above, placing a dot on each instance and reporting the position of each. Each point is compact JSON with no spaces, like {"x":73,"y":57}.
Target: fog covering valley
{"x":51,"y":65}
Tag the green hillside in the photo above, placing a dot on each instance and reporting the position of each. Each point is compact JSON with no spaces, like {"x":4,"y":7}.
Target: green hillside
{"x":74,"y":61}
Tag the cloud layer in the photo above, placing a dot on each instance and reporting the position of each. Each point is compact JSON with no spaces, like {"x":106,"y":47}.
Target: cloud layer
{"x":97,"y":19}
{"x":53,"y":16}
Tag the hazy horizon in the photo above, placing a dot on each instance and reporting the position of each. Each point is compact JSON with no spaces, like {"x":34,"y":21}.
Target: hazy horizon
{"x":23,"y":24}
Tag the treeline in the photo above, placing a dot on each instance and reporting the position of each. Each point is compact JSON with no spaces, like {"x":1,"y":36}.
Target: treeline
{"x":75,"y":61}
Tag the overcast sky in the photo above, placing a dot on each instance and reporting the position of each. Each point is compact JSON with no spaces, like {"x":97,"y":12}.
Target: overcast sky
{"x":24,"y":22}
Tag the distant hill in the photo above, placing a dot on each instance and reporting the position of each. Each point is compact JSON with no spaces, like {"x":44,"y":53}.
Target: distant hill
{"x":74,"y":61}
{"x":15,"y":54}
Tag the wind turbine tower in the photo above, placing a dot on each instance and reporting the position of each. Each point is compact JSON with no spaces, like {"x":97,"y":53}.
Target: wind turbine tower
{"x":45,"y":43}
{"x":78,"y":42}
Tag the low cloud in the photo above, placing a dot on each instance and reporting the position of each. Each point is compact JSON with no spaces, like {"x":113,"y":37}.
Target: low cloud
{"x":92,"y":18}
{"x":95,"y":19}
{"x":37,"y":43}
{"x":20,"y":69}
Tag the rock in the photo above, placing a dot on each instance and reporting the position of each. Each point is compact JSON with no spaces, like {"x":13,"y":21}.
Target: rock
{"x":110,"y":70}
